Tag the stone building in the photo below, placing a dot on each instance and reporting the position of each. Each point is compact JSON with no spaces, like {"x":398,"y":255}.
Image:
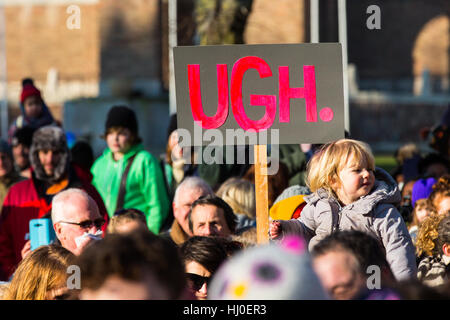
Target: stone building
{"x":119,"y":48}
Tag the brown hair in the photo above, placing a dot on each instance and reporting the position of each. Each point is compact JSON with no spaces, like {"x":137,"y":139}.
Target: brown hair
{"x":133,"y":257}
{"x":135,"y":139}
{"x":421,"y":204}
{"x":44,"y":270}
{"x":125,"y":216}
{"x":427,"y":235}
{"x":210,"y":252}
{"x":247,"y":237}
{"x":441,"y":189}
{"x":443,"y":237}
{"x":168,"y":155}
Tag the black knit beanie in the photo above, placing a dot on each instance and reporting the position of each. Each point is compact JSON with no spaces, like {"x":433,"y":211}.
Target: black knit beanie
{"x":23,"y":136}
{"x":121,"y":116}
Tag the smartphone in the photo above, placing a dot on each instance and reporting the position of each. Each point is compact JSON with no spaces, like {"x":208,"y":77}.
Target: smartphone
{"x":41,"y":233}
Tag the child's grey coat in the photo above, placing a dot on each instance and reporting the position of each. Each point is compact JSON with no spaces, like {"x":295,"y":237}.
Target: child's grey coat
{"x":374,"y":213}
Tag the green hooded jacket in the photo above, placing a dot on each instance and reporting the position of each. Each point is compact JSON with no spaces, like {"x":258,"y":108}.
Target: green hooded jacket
{"x":145,"y":189}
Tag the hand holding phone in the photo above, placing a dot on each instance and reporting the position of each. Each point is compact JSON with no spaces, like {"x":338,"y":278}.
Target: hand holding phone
{"x":26,"y":250}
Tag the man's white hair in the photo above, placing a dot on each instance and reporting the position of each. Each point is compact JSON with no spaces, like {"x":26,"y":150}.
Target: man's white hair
{"x":59,"y":202}
{"x":194,"y":183}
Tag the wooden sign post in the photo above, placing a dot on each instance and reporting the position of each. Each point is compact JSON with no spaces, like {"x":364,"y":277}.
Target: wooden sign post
{"x":294,"y":90}
{"x":262,"y":197}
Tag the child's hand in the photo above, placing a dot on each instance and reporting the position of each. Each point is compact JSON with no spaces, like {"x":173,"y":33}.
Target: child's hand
{"x":275,"y":229}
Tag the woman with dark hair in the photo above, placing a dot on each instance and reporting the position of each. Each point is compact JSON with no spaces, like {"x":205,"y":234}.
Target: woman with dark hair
{"x":202,"y":256}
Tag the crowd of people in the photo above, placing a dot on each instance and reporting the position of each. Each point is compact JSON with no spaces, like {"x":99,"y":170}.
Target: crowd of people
{"x":132,"y":225}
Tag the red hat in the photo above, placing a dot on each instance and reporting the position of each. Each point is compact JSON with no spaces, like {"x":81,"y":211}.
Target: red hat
{"x":28,"y":91}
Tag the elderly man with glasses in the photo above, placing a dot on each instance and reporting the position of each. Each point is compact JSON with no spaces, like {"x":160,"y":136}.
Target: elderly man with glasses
{"x":76,"y":219}
{"x":52,"y":173}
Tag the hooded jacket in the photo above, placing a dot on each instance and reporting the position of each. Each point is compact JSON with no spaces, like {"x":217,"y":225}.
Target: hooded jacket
{"x":145,"y":189}
{"x":374,"y":214}
{"x":22,"y":120}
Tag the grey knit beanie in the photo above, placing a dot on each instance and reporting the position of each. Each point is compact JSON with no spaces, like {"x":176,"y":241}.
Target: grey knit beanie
{"x":278,"y":271}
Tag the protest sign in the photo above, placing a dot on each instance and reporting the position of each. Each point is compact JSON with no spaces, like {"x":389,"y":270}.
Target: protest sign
{"x":295,"y":90}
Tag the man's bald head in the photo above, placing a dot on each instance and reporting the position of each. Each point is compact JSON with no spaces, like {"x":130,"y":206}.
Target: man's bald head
{"x":75,"y":213}
{"x":192,"y":184}
{"x":64,"y":203}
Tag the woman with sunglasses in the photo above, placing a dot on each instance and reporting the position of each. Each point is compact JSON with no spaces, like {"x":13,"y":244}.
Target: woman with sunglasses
{"x":202,"y":256}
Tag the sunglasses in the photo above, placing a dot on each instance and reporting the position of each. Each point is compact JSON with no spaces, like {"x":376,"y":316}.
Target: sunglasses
{"x":196,"y":282}
{"x":87,"y":224}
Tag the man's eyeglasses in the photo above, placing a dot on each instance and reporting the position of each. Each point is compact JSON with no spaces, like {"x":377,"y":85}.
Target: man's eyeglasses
{"x":87,"y":224}
{"x":196,"y":281}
